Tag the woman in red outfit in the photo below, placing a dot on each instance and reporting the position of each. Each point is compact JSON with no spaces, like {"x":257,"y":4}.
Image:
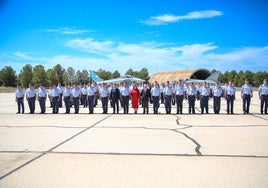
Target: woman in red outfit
{"x":135,"y":96}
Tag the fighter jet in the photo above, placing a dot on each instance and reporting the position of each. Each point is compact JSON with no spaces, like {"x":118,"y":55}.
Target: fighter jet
{"x":212,"y":79}
{"x":127,"y":78}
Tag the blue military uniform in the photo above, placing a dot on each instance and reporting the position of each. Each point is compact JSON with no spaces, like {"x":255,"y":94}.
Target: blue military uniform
{"x":76,"y":94}
{"x":67,"y":99}
{"x":104,"y":94}
{"x":217,"y":93}
{"x":263,"y":93}
{"x":246,"y":92}
{"x":91,"y":91}
{"x":168,"y":93}
{"x":179,"y":91}
{"x":31,"y":97}
{"x":204,"y":97}
{"x":42,"y":95}
{"x":191,"y":95}
{"x":55,"y":94}
{"x":156,"y":92}
{"x":19,"y":94}
{"x":125,"y":91}
{"x":230,"y":97}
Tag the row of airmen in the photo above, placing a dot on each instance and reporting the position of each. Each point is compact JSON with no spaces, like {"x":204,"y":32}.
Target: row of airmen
{"x":90,"y":94}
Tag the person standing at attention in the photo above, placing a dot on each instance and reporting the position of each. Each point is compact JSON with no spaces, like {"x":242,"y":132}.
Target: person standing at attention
{"x":263,"y":96}
{"x":246,"y":95}
{"x":135,"y":96}
{"x":31,"y":97}
{"x":230,"y":97}
{"x":180,"y":95}
{"x":42,"y":97}
{"x":19,"y":94}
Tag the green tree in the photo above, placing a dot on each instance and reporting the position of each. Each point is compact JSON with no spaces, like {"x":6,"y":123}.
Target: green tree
{"x":39,"y":75}
{"x":105,"y":75}
{"x":52,"y":77}
{"x":8,"y":76}
{"x":130,"y":72}
{"x":69,"y":76}
{"x":143,"y":74}
{"x":116,"y":74}
{"x":26,"y":75}
{"x":258,"y":78}
{"x":60,"y":72}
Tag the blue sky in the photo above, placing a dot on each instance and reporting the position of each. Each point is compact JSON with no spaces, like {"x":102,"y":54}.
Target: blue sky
{"x":118,"y":34}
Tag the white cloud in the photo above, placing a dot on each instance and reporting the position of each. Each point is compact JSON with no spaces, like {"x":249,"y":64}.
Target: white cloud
{"x":69,"y":31}
{"x":170,"y":18}
{"x":155,"y":56}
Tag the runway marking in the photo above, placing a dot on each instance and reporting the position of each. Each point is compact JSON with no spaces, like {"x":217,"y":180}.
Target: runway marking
{"x":51,"y":149}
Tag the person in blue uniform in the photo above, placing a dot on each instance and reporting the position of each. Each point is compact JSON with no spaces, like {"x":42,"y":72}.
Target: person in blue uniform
{"x":31,"y":97}
{"x":217,"y":92}
{"x":145,"y":98}
{"x":104,"y":95}
{"x":42,"y":97}
{"x":191,"y":96}
{"x":168,"y":95}
{"x":263,"y":96}
{"x":155,"y":93}
{"x":84,"y":96}
{"x":55,"y":94}
{"x":91,"y":94}
{"x":67,"y":98}
{"x":204,"y":97}
{"x":19,"y":98}
{"x":230,"y":97}
{"x":246,"y":95}
{"x":180,"y":95}
{"x":125,"y":92}
{"x":76,"y":96}
{"x":114,"y":98}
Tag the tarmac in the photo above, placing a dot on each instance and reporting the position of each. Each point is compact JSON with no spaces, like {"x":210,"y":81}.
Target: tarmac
{"x":133,"y":150}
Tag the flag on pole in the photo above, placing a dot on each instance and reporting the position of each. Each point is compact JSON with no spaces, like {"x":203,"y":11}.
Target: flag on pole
{"x":94,"y":76}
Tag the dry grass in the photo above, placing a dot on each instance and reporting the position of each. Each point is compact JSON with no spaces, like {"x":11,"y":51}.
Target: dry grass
{"x":7,"y":89}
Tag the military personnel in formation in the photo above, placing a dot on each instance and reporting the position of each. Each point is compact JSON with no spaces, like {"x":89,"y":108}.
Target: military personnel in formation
{"x":145,"y":97}
{"x":31,"y":97}
{"x":191,"y":96}
{"x":104,"y":95}
{"x":55,"y":95}
{"x":263,"y":96}
{"x":230,"y":97}
{"x":60,"y":89}
{"x":125,"y":92}
{"x":67,"y":92}
{"x":42,"y":97}
{"x":180,"y":95}
{"x":19,"y":98}
{"x":76,"y":95}
{"x":114,"y":97}
{"x":91,"y":95}
{"x":217,"y":92}
{"x":204,"y":97}
{"x":155,"y":93}
{"x":84,"y":96}
{"x":246,"y":95}
{"x":168,"y":95}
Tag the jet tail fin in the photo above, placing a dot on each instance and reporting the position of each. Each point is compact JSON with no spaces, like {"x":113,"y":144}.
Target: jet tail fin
{"x":214,"y":76}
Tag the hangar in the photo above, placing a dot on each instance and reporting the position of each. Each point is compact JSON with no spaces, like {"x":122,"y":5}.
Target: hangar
{"x":171,"y":76}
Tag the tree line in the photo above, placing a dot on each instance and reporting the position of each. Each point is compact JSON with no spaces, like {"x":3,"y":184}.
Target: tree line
{"x":58,"y":74}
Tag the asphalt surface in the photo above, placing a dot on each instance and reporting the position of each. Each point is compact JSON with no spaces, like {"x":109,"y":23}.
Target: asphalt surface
{"x":133,"y":150}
